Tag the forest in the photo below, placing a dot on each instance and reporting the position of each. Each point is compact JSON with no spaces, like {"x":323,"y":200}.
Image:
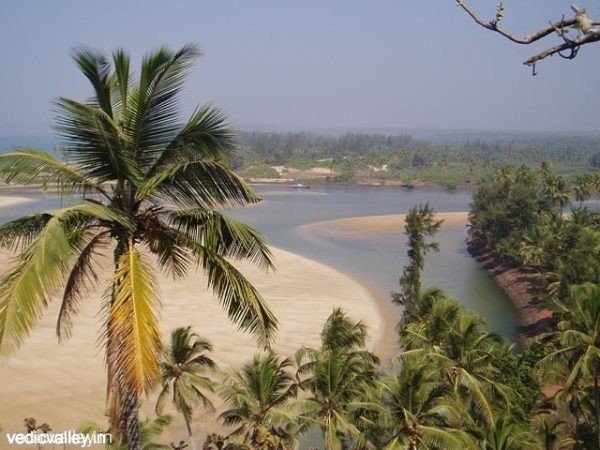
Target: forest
{"x":401,"y":159}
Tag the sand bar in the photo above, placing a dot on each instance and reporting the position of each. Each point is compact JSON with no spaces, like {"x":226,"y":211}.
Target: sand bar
{"x":361,"y":227}
{"x":64,"y":385}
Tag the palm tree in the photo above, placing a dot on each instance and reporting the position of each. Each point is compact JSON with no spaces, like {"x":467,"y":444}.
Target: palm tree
{"x":432,"y":325}
{"x":557,"y":192}
{"x":180,"y":373}
{"x":259,"y":396}
{"x":467,"y":360}
{"x":578,"y":343}
{"x":338,"y":377}
{"x":422,"y":412}
{"x":150,"y":185}
{"x":582,"y":187}
{"x":552,"y":434}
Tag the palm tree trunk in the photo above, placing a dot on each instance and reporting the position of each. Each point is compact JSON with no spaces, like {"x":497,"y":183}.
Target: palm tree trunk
{"x":189,"y":430}
{"x":132,"y":424}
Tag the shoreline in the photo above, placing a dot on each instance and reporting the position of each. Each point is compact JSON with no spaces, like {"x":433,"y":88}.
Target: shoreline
{"x":361,"y":184}
{"x":516,"y":284}
{"x":519,"y":287}
{"x":386,"y":344}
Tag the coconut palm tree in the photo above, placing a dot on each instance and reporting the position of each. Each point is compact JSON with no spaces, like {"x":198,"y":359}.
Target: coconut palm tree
{"x":337,"y":377}
{"x":557,"y":192}
{"x":552,"y":433}
{"x":258,"y":396}
{"x":578,"y":343}
{"x":467,"y":360}
{"x":421,"y":410}
{"x":582,"y":187}
{"x":181,"y":374}
{"x":151,"y":185}
{"x":436,"y":317}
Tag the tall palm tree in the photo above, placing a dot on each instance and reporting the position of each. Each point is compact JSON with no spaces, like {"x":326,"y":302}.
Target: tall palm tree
{"x":557,"y":192}
{"x":151,"y":185}
{"x":258,"y":396}
{"x":181,"y":374}
{"x":582,"y":187}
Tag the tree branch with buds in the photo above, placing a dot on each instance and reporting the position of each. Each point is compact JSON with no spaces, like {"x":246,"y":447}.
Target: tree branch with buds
{"x":584,"y":31}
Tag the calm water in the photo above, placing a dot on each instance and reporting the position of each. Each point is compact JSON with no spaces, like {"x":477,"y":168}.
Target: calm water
{"x":379,"y":260}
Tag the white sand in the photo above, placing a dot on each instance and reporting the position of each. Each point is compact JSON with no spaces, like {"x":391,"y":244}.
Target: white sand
{"x":359,"y":227}
{"x":6,"y":200}
{"x":64,"y":385}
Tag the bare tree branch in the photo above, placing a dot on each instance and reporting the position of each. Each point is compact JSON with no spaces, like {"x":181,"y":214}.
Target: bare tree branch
{"x":580,"y":22}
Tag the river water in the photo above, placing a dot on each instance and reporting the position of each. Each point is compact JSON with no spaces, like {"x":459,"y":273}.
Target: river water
{"x":379,"y":260}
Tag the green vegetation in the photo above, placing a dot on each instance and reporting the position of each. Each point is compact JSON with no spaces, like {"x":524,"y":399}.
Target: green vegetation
{"x":259,"y":171}
{"x":454,"y":385}
{"x":376,"y":159}
{"x":182,"y":376}
{"x":420,"y":223}
{"x":151,"y":185}
{"x":519,"y":214}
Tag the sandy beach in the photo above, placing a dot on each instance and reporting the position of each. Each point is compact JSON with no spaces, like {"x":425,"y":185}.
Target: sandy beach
{"x":64,"y":385}
{"x":6,"y":200}
{"x":361,"y":227}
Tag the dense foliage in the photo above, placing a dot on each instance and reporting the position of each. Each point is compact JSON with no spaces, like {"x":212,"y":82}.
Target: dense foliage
{"x":373,"y":157}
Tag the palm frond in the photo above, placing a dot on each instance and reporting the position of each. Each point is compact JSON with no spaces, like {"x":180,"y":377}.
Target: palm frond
{"x":132,"y":329}
{"x":82,"y":273}
{"x":206,"y":135}
{"x":26,"y":288}
{"x":152,"y":119}
{"x":94,"y":141}
{"x":120,"y":81}
{"x":27,"y":166}
{"x":242,"y":302}
{"x":223,"y":234}
{"x":198,"y":183}
{"x":96,"y":68}
{"x":20,"y":233}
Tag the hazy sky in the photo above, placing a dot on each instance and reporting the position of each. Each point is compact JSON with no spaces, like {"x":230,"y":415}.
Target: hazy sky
{"x":312,"y":63}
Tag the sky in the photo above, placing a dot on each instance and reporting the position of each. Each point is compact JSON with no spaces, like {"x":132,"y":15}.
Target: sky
{"x":312,"y":64}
